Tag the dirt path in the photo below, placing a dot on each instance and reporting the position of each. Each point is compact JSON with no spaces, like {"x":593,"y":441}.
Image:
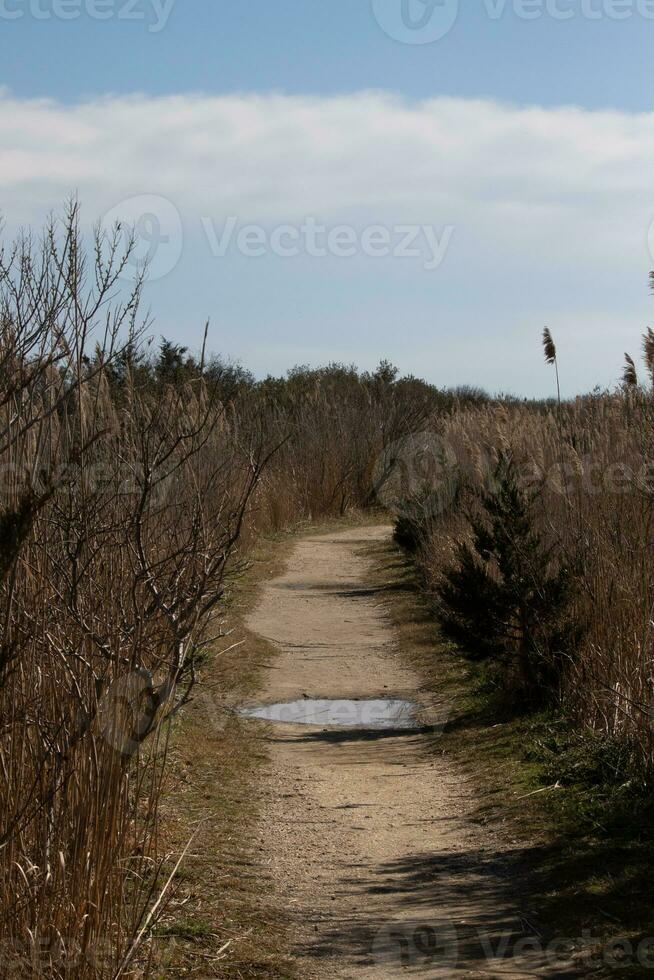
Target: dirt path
{"x":367,"y":834}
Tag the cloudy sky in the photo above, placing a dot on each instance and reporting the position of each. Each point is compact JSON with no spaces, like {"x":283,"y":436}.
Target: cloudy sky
{"x":354,"y":180}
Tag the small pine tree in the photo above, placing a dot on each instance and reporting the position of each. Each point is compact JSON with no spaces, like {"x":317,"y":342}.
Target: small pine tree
{"x":504,"y":601}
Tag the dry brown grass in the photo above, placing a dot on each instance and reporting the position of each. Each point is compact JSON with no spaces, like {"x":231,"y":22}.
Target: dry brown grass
{"x":121,"y":509}
{"x":126,"y":507}
{"x":570,"y":880}
{"x":591,"y":464}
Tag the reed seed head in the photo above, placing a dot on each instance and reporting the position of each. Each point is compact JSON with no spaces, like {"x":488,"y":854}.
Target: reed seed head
{"x":648,"y":349}
{"x":549,"y":347}
{"x":629,"y":376}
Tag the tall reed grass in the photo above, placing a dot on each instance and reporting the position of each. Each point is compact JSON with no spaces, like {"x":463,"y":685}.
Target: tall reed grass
{"x":590,"y":462}
{"x":130,"y":490}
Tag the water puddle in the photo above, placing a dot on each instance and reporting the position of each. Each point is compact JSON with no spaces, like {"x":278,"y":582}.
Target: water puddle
{"x":342,"y":712}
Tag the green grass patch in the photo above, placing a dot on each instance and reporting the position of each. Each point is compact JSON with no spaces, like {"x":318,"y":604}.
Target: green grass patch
{"x":188,"y":929}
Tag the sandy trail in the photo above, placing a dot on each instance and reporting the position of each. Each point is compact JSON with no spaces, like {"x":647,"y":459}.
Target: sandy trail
{"x":367,"y":835}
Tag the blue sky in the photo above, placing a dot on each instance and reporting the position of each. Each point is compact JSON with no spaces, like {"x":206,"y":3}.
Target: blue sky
{"x":330,"y":46}
{"x":275,"y":113}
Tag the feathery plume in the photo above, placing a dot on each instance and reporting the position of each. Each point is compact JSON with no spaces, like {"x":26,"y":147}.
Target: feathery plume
{"x":549,"y":346}
{"x":648,"y":349}
{"x":629,"y":376}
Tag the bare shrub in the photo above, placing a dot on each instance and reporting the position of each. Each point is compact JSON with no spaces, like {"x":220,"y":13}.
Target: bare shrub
{"x":120,"y":511}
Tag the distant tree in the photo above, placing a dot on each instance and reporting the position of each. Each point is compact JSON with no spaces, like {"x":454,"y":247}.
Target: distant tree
{"x":132,"y":362}
{"x":385,"y":373}
{"x":227,"y":379}
{"x":173,"y":365}
{"x":471,"y":395}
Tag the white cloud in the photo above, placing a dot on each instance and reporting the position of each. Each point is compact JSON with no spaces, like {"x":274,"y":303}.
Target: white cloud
{"x":282,"y":157}
{"x":560,"y":196}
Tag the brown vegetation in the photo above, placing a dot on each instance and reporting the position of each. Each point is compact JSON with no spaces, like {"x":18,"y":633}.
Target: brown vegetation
{"x":132,"y":488}
{"x":589,"y":465}
{"x":127,"y":484}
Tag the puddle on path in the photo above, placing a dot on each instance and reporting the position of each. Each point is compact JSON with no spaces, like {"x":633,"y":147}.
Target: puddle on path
{"x":343,"y":712}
